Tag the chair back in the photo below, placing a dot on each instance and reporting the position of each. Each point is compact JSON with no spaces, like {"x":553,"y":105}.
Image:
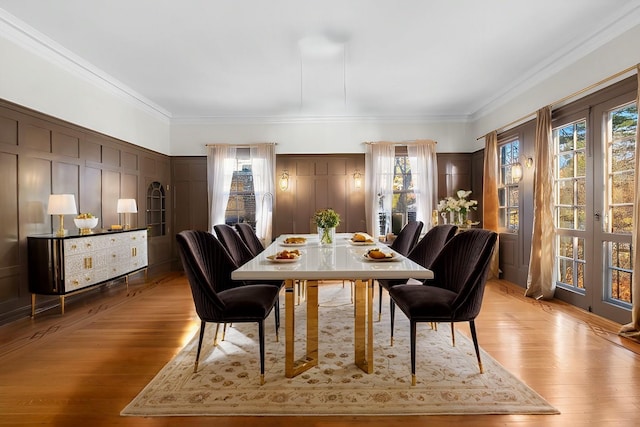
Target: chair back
{"x":428,"y":248}
{"x":407,"y":237}
{"x":249,"y":238}
{"x":207,"y":266}
{"x":462,"y":267}
{"x":232,"y":241}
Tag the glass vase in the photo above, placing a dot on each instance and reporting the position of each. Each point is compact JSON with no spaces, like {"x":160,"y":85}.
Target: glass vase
{"x":327,"y":235}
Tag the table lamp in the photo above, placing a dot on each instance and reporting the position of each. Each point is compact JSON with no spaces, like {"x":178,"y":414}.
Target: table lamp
{"x":62,"y":204}
{"x":126,"y":206}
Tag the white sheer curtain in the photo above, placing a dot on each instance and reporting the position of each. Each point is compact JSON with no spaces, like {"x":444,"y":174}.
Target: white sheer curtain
{"x":221,"y":162}
{"x":424,"y":172}
{"x":263,"y":163}
{"x":379,"y":161}
{"x":633,"y":329}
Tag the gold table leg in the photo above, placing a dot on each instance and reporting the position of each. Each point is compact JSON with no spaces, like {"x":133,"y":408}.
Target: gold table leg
{"x":363,"y":333}
{"x":294,"y":367}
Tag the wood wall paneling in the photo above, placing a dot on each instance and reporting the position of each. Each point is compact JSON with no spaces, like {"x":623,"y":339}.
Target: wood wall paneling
{"x":90,"y":152}
{"x":110,"y":196}
{"x":91,"y":195}
{"x":110,"y":156}
{"x":10,"y":259}
{"x":36,"y":138}
{"x":129,"y":161}
{"x":65,"y":145}
{"x":8,"y":130}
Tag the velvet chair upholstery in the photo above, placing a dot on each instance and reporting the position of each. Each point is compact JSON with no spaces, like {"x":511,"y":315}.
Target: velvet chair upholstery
{"x":249,"y":238}
{"x":423,"y":253}
{"x":455,"y":294}
{"x":407,"y":237}
{"x":207,"y":265}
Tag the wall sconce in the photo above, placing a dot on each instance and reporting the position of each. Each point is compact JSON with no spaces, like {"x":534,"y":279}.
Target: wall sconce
{"x":62,"y":204}
{"x":126,"y":206}
{"x":357,"y":179}
{"x":516,"y":172}
{"x":529,"y":162}
{"x":284,"y":180}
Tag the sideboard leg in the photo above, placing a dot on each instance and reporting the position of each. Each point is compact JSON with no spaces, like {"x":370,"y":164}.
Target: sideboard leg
{"x":33,"y":305}
{"x":61,"y":304}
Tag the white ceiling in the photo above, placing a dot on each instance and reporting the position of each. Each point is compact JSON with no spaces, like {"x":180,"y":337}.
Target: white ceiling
{"x":327,"y":58}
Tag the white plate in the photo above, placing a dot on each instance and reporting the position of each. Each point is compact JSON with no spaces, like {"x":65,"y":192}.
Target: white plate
{"x":361,"y":243}
{"x":292,"y":245}
{"x":273,"y":258}
{"x":386,"y":259}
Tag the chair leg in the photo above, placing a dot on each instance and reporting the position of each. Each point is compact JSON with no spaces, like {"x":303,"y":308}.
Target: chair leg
{"x":392,"y":313}
{"x":380,"y":302}
{"x":202,"y":326}
{"x":277,"y":318}
{"x":413,"y":351}
{"x":224,"y":331}
{"x":453,"y":336}
{"x":472,"y":326}
{"x":261,"y":337}
{"x":215,"y":337}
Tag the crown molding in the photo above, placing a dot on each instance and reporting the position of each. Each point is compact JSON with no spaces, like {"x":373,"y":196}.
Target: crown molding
{"x":235,"y":120}
{"x":34,"y":41}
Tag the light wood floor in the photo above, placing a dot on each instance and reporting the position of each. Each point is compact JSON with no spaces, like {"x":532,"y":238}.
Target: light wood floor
{"x":84,"y":367}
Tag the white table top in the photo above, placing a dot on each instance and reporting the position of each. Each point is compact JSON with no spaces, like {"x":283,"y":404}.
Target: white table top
{"x":340,"y":261}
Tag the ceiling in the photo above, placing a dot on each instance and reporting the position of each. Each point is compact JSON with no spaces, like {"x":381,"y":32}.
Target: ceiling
{"x":322,"y":58}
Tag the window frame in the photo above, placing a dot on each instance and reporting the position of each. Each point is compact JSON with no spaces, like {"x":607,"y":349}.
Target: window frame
{"x":506,"y":185}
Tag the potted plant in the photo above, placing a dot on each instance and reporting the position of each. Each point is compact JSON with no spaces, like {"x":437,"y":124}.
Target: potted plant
{"x":326,"y":220}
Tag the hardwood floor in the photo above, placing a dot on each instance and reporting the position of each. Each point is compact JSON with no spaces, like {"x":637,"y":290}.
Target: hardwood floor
{"x":82,"y":368}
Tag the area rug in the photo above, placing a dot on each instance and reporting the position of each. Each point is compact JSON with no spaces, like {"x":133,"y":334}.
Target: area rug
{"x":227,"y":382}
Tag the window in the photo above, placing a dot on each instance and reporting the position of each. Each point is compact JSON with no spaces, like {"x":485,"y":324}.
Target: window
{"x":570,"y":195}
{"x":508,"y":188}
{"x":620,"y":174}
{"x":403,"y":208}
{"x":242,"y":201}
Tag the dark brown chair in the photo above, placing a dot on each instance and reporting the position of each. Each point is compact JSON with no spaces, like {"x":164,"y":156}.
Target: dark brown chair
{"x":423,"y":253}
{"x":207,"y":266}
{"x":455,"y":294}
{"x":407,"y":237}
{"x":249,"y":238}
{"x":232,"y":241}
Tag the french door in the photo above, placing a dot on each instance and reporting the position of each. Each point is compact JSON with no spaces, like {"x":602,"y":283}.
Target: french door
{"x":594,"y":172}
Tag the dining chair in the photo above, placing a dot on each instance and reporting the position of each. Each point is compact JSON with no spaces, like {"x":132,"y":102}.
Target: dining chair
{"x":455,"y":294}
{"x":232,"y":241}
{"x":407,"y":237}
{"x":250,"y":238}
{"x":207,"y":265}
{"x":423,"y":253}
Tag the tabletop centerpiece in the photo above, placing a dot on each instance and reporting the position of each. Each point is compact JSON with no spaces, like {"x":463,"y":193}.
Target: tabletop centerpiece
{"x":326,"y":220}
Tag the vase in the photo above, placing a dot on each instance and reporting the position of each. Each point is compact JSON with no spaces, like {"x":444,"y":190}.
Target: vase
{"x":462,"y":219}
{"x":327,"y":235}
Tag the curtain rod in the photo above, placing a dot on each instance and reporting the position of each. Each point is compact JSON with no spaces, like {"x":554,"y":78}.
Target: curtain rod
{"x":568,"y":97}
{"x":401,"y":143}
{"x":243,"y":145}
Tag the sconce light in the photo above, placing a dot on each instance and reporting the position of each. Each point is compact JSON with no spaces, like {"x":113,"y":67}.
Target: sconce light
{"x":529,"y":162}
{"x":516,"y":172}
{"x":62,"y":204}
{"x":284,"y":180}
{"x":126,"y":206}
{"x":357,"y":179}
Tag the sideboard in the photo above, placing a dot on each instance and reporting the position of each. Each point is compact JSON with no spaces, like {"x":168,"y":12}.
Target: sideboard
{"x":66,"y":265}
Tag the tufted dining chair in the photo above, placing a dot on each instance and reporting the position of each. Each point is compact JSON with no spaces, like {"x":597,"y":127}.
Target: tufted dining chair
{"x":249,"y":238}
{"x":455,"y":294}
{"x":207,"y":265}
{"x":423,"y":253}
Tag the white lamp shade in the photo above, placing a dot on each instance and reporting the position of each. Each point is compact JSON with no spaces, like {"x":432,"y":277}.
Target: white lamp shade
{"x":62,"y":204}
{"x":127,"y":206}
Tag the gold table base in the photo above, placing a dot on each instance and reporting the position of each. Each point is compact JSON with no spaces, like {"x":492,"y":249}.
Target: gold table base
{"x":363,"y":331}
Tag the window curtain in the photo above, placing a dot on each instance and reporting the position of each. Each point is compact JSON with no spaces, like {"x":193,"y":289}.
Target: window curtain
{"x":263,"y":162}
{"x":490,"y":195}
{"x":633,"y":329}
{"x":540,"y":281}
{"x":379,"y":161}
{"x":221,"y":161}
{"x":424,"y":171}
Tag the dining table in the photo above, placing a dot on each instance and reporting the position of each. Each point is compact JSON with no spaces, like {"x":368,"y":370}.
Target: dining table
{"x":343,"y":259}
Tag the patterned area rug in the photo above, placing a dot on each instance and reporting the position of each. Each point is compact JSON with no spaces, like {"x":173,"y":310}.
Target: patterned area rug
{"x":227,"y":382}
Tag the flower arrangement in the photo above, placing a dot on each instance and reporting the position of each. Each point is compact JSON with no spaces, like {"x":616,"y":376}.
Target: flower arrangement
{"x":461,"y":205}
{"x":327,"y":220}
